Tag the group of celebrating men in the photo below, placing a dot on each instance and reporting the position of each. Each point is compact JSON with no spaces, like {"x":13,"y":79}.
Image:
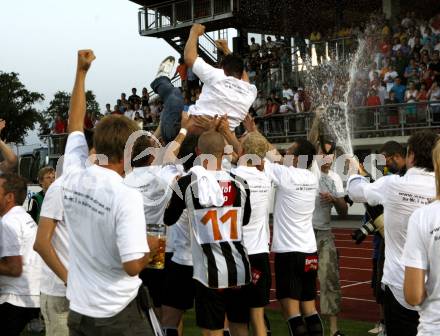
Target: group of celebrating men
{"x":215,"y":200}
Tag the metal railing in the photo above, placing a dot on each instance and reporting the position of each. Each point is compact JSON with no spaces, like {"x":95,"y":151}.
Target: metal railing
{"x":181,"y":13}
{"x":364,"y":122}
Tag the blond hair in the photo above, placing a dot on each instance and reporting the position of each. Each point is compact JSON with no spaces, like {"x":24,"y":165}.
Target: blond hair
{"x":111,"y":135}
{"x":256,"y":144}
{"x":436,"y":163}
{"x":43,"y":171}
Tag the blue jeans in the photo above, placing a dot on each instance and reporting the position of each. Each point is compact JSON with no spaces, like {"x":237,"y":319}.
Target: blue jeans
{"x":173,"y":102}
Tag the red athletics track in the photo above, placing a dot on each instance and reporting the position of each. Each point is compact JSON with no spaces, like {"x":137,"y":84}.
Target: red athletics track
{"x":355,"y":271}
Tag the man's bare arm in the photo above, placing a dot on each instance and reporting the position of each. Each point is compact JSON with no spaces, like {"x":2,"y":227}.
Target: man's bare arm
{"x":190,"y":53}
{"x":77,"y":109}
{"x":43,"y":246}
{"x":10,"y":159}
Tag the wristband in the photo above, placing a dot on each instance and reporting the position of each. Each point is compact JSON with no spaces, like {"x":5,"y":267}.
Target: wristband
{"x":183,"y":131}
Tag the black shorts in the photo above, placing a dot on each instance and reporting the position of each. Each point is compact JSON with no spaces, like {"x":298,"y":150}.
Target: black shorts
{"x":258,"y":291}
{"x":179,"y":287}
{"x":154,"y":280}
{"x":213,"y":304}
{"x":295,"y":275}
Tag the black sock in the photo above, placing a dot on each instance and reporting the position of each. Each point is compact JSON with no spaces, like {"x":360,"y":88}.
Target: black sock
{"x":267,"y":323}
{"x":314,"y":325}
{"x":226,"y":333}
{"x":170,"y":332}
{"x":297,"y":326}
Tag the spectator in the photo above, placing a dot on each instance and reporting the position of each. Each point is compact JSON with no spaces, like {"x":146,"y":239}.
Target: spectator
{"x":59,"y":126}
{"x":399,"y":89}
{"x":392,"y":111}
{"x":285,"y":107}
{"x":138,"y":119}
{"x":107,"y":109}
{"x":426,"y":75}
{"x":259,"y":104}
{"x":137,"y":109}
{"x":373,"y":99}
{"x":434,"y":100}
{"x":411,"y":97}
{"x":254,"y":48}
{"x":134,"y":98}
{"x":182,"y":71}
{"x":121,"y":107}
{"x":88,"y":121}
{"x":381,"y":90}
{"x":124,"y":101}
{"x":434,"y":66}
{"x":390,"y":76}
{"x":287,"y":92}
{"x":417,"y":45}
{"x":412,"y":72}
{"x":130,"y":112}
{"x":271,"y":107}
{"x":116,"y":110}
{"x":400,"y":63}
{"x":423,"y":93}
{"x":145,"y":99}
{"x":46,"y":176}
{"x":374,"y":73}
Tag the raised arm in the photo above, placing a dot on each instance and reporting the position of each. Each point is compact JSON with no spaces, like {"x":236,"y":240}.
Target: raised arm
{"x":10,"y":159}
{"x":190,"y":53}
{"x":77,"y":110}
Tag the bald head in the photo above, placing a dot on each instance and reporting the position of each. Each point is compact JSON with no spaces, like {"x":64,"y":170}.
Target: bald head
{"x":211,"y":142}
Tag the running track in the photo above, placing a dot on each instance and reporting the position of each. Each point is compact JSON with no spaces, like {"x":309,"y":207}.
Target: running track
{"x":355,"y":272}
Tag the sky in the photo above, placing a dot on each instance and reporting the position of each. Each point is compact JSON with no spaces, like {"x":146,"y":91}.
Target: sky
{"x":40,"y":39}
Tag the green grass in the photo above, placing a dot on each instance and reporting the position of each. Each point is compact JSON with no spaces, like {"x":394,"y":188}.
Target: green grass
{"x":348,"y":327}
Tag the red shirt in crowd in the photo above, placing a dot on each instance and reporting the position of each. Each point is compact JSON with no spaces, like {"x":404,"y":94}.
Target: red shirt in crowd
{"x":181,"y":69}
{"x":88,"y":123}
{"x":373,"y":101}
{"x":60,"y":127}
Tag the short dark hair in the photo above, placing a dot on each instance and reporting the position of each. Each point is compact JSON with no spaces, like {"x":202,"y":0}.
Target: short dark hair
{"x":422,"y":144}
{"x":233,"y":65}
{"x":16,"y":185}
{"x":141,"y":144}
{"x":188,"y":147}
{"x":391,"y":148}
{"x":305,"y":147}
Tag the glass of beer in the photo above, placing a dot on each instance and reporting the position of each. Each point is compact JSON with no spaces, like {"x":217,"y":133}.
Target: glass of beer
{"x":156,"y":235}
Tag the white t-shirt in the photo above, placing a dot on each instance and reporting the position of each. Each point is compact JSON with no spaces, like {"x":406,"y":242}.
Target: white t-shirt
{"x":331,"y":183}
{"x":256,"y":234}
{"x":294,"y":205}
{"x":106,"y":226}
{"x":288,"y":94}
{"x":390,"y":75}
{"x":400,"y":197}
{"x":182,"y":240}
{"x":153,"y":183}
{"x":222,"y":94}
{"x":52,"y":208}
{"x":17,"y":237}
{"x":422,"y":251}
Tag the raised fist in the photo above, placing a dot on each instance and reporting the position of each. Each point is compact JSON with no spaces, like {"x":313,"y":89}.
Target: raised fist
{"x":85,"y":59}
{"x":198,"y":29}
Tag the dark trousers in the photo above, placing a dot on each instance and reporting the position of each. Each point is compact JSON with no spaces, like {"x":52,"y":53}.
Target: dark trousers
{"x":13,"y":319}
{"x":399,"y":321}
{"x":172,"y":108}
{"x":131,"y":321}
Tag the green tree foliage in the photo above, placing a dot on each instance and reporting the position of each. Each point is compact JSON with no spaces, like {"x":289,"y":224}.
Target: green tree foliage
{"x":17,"y":107}
{"x":60,"y":105}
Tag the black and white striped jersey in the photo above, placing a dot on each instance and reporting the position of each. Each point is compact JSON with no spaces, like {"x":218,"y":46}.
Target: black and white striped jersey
{"x":219,"y":257}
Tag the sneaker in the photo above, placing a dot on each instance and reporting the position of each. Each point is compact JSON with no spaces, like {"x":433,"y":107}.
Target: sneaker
{"x":378,"y":328}
{"x":166,"y":67}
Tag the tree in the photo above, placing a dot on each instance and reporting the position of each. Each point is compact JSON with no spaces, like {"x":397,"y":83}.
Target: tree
{"x":17,"y":107}
{"x":61,"y":102}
